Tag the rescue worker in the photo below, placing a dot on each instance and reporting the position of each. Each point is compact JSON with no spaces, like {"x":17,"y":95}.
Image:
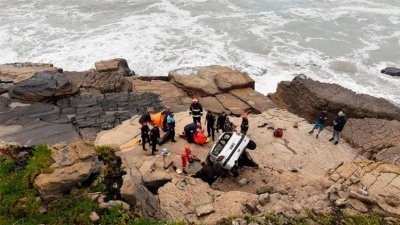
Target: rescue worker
{"x":171,"y":125}
{"x":244,"y":126}
{"x":166,"y":113}
{"x":210,"y":121}
{"x":221,"y":122}
{"x":196,"y":110}
{"x":145,"y":135}
{"x":146,"y":117}
{"x":206,"y":174}
{"x":154,"y":136}
{"x":186,"y":157}
{"x":190,"y":130}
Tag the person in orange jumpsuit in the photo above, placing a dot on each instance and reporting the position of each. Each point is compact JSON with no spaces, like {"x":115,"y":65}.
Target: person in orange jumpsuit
{"x":200,"y":138}
{"x":186,"y":157}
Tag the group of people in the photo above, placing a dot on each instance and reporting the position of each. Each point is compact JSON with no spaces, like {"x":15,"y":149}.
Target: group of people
{"x":338,"y":125}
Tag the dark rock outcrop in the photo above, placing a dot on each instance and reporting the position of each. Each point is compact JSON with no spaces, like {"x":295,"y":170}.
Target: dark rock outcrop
{"x":306,"y":97}
{"x":392,"y":71}
{"x":16,"y":72}
{"x":42,"y":86}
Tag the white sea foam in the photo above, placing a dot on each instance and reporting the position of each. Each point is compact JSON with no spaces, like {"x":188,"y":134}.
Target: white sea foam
{"x":272,"y":40}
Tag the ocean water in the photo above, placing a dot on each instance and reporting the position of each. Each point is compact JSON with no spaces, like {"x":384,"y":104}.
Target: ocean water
{"x":346,"y":42}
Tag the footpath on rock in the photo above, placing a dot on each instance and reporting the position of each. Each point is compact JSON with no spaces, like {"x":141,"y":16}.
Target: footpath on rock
{"x":297,"y":173}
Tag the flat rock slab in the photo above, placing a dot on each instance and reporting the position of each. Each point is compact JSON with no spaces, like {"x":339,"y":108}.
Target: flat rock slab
{"x":39,"y":132}
{"x":258,"y":102}
{"x":16,"y":72}
{"x":370,"y":135}
{"x":233,"y":104}
{"x":392,"y":71}
{"x":170,"y":94}
{"x":389,"y":155}
{"x":120,"y":65}
{"x":233,"y":79}
{"x":204,"y":210}
{"x":306,"y":97}
{"x":212,"y":103}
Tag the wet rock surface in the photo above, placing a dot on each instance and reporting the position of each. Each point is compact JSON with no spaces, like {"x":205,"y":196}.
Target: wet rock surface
{"x":392,"y":71}
{"x":306,"y":97}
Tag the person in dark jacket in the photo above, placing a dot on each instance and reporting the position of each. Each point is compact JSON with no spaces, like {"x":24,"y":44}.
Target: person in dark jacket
{"x":338,"y":125}
{"x":320,"y":124}
{"x":190,"y":130}
{"x":210,"y":121}
{"x":145,"y":135}
{"x":166,"y":113}
{"x":146,"y":117}
{"x":206,"y":174}
{"x":154,"y":136}
{"x":171,"y":125}
{"x":244,"y":126}
{"x":196,"y":110}
{"x":221,"y":122}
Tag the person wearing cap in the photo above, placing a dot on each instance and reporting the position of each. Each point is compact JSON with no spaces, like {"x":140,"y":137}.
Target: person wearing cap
{"x":154,"y":136}
{"x":244,"y":126}
{"x":210,"y":121}
{"x":186,"y":157}
{"x":338,"y":125}
{"x":146,"y":117}
{"x":171,"y":125}
{"x":196,"y":110}
{"x":190,"y":130}
{"x":166,"y":112}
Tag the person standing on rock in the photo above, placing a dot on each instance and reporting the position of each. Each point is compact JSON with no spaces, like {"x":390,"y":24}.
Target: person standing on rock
{"x":171,"y":125}
{"x":210,"y":122}
{"x":221,"y":122}
{"x":320,"y":124}
{"x":186,"y":158}
{"x":244,"y":126}
{"x":145,"y":135}
{"x":166,"y":113}
{"x":154,"y":136}
{"x":146,"y":117}
{"x":196,"y":110}
{"x":338,"y":125}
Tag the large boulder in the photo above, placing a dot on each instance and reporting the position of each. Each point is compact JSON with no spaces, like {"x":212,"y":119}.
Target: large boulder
{"x":392,"y":71}
{"x":16,"y":72}
{"x":209,"y":80}
{"x":42,"y":86}
{"x":73,"y":165}
{"x":153,"y":179}
{"x":305,"y":97}
{"x":367,"y":187}
{"x":120,"y":65}
{"x":370,"y":136}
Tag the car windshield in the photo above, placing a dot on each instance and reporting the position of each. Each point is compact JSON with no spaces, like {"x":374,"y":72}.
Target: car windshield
{"x":221,"y":144}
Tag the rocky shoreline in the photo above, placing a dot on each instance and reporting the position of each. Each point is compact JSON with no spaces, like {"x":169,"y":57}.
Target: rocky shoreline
{"x":68,"y":110}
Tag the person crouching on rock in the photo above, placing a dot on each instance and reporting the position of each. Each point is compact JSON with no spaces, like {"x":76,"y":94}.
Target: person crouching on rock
{"x":186,"y":157}
{"x":171,"y":125}
{"x":190,"y":130}
{"x":145,"y":135}
{"x":206,"y":174}
{"x":146,"y":117}
{"x":338,"y":125}
{"x":244,"y":126}
{"x":320,"y":124}
{"x":154,"y":136}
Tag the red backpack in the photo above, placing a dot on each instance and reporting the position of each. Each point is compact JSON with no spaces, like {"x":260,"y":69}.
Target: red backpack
{"x":278,"y":132}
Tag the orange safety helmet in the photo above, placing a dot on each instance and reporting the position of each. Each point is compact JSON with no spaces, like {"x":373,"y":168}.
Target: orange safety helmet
{"x":187,"y":148}
{"x":245,"y":115}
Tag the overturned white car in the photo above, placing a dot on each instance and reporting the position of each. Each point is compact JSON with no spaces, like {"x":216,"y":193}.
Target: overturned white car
{"x":228,"y":154}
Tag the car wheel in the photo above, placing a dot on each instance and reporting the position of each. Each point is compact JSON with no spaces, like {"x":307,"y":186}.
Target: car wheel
{"x":251,"y":145}
{"x":234,"y":172}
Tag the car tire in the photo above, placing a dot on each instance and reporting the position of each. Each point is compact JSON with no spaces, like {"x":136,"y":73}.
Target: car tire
{"x":251,"y":145}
